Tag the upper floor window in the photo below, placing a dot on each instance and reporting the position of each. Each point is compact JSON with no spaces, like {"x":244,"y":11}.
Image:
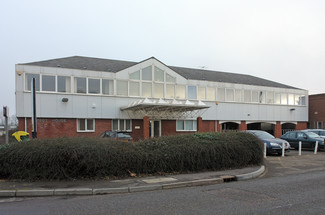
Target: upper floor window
{"x":107,"y":87}
{"x":170,"y":78}
{"x":134,"y":88}
{"x":221,"y":94}
{"x":135,"y":75}
{"x":80,"y":85}
{"x":122,"y":88}
{"x":159,"y":75}
{"x":147,"y":73}
{"x":94,"y":86}
{"x":211,"y":93}
{"x":247,"y":96}
{"x":191,"y":92}
{"x":48,"y":83}
{"x":201,"y":93}
{"x":180,"y":92}
{"x":238,"y":95}
{"x":28,"y":83}
{"x":64,"y":84}
{"x":269,"y":97}
{"x":229,"y":95}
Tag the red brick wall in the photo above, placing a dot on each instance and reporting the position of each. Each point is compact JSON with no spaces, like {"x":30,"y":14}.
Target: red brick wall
{"x":168,"y":127}
{"x":208,"y":126}
{"x":316,"y":109}
{"x":301,"y":126}
{"x":137,"y":134}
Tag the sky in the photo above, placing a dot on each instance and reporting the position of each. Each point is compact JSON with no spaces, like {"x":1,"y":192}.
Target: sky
{"x":279,"y":40}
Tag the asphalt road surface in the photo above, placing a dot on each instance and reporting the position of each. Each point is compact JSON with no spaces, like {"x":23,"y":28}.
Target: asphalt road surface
{"x":290,"y":186}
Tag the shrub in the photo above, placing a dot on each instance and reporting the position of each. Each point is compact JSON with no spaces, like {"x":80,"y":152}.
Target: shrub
{"x":76,"y":158}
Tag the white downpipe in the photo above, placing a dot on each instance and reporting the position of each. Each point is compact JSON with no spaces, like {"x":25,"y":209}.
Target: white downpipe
{"x":299,"y":148}
{"x":316,"y":148}
{"x":283,"y":149}
{"x":264,"y":150}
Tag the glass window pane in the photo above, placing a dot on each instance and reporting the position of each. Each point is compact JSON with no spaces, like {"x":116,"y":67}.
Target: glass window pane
{"x":128,"y":125}
{"x":194,"y":125}
{"x":170,"y":91}
{"x":192,"y":94}
{"x":28,"y":83}
{"x":90,"y":125}
{"x":122,"y":88}
{"x":80,"y":85}
{"x":180,"y":125}
{"x":108,"y":87}
{"x":254,"y":96}
{"x":201,"y":93}
{"x":81,"y":124}
{"x":64,"y":84}
{"x":229,"y":95}
{"x":146,"y":90}
{"x":94,"y":86}
{"x":291,"y":99}
{"x":247,"y":96}
{"x":48,"y":83}
{"x":277,"y":98}
{"x":270,"y":97}
{"x":159,"y":74}
{"x":221,"y":94}
{"x":115,"y":124}
{"x":134,"y":89}
{"x":180,"y":92}
{"x":159,"y":90}
{"x":135,"y":75}
{"x":189,"y":125}
{"x":211,"y":93}
{"x":122,"y":128}
{"x":261,"y":97}
{"x":238,"y":95}
{"x":297,"y":99}
{"x":147,"y":73}
{"x":284,"y":99}
{"x":303,"y":100}
{"x":170,"y":78}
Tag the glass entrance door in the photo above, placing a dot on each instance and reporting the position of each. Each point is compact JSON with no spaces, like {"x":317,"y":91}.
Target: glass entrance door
{"x":155,"y":128}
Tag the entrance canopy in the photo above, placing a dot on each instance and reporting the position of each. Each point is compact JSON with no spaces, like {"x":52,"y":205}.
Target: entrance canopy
{"x":165,"y":109}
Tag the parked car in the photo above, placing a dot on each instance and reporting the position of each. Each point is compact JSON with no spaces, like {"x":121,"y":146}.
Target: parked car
{"x":273,"y":145}
{"x":117,"y":135}
{"x":320,"y":132}
{"x":308,"y":139}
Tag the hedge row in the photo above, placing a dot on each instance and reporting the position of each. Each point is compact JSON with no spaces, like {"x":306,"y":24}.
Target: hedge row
{"x":76,"y":158}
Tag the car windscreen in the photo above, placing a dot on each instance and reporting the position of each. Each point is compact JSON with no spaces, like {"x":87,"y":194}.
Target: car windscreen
{"x":322,"y":133}
{"x":312,"y":135}
{"x":264,"y":135}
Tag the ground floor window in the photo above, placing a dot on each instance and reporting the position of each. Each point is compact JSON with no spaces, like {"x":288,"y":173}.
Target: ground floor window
{"x":186,"y":125}
{"x":122,"y":125}
{"x":85,"y":125}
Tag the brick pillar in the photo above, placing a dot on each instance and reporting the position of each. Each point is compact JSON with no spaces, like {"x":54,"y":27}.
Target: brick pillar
{"x":242,"y":126}
{"x":218,"y":126}
{"x":277,"y":129}
{"x":301,"y":126}
{"x":199,"y":124}
{"x":145,"y":127}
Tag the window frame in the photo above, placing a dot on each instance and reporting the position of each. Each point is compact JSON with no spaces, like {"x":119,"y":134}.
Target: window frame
{"x":86,"y":125}
{"x":124,"y":123}
{"x":194,"y":125}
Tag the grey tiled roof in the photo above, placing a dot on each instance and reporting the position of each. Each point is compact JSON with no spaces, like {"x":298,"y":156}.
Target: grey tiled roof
{"x":106,"y":65}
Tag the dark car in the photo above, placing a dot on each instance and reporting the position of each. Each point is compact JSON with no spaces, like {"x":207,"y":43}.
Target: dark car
{"x":117,"y":136}
{"x":273,"y":145}
{"x":308,"y":139}
{"x":320,"y":132}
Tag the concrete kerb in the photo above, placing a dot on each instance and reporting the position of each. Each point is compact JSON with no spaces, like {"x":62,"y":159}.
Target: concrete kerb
{"x":98,"y":191}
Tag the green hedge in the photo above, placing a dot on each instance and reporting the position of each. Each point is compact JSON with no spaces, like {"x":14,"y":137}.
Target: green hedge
{"x":76,"y":158}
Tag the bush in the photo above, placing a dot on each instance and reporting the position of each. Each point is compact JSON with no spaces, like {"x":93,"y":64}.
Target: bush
{"x":76,"y":158}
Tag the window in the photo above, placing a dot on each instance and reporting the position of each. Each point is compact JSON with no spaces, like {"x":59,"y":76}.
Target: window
{"x":170,"y":91}
{"x":284,"y":99}
{"x":221,"y":94}
{"x":28,"y":84}
{"x":269,"y":97}
{"x":64,"y":84}
{"x":159,"y":74}
{"x":229,"y":95}
{"x":255,"y":96}
{"x":238,"y":95}
{"x":135,"y":75}
{"x":122,"y":88}
{"x":107,"y":87}
{"x":170,"y":78}
{"x":146,"y":90}
{"x":247,"y":96}
{"x":211,"y":93}
{"x":180,"y":92}
{"x":134,"y":88}
{"x":192,"y":94}
{"x":94,"y":86}
{"x":320,"y":125}
{"x":48,"y":83}
{"x":277,"y":98}
{"x":85,"y":125}
{"x":122,"y":125}
{"x":147,"y":73}
{"x":261,"y":97}
{"x":159,"y":90}
{"x":291,"y":99}
{"x":302,"y":100}
{"x":201,"y":93}
{"x":80,"y":85}
{"x":186,"y":125}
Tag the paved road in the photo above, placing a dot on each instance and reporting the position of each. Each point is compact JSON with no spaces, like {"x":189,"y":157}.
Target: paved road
{"x":292,"y":185}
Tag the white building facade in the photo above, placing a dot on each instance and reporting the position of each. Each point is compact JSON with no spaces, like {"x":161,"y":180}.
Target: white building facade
{"x":81,"y":96}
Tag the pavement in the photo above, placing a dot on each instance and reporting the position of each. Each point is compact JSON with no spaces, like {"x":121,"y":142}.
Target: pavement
{"x":275,"y":166}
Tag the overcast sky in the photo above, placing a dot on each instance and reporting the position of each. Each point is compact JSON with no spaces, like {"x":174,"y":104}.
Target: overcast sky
{"x":279,"y":40}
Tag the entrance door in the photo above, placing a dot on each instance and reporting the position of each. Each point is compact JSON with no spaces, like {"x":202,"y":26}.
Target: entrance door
{"x":154,"y":128}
